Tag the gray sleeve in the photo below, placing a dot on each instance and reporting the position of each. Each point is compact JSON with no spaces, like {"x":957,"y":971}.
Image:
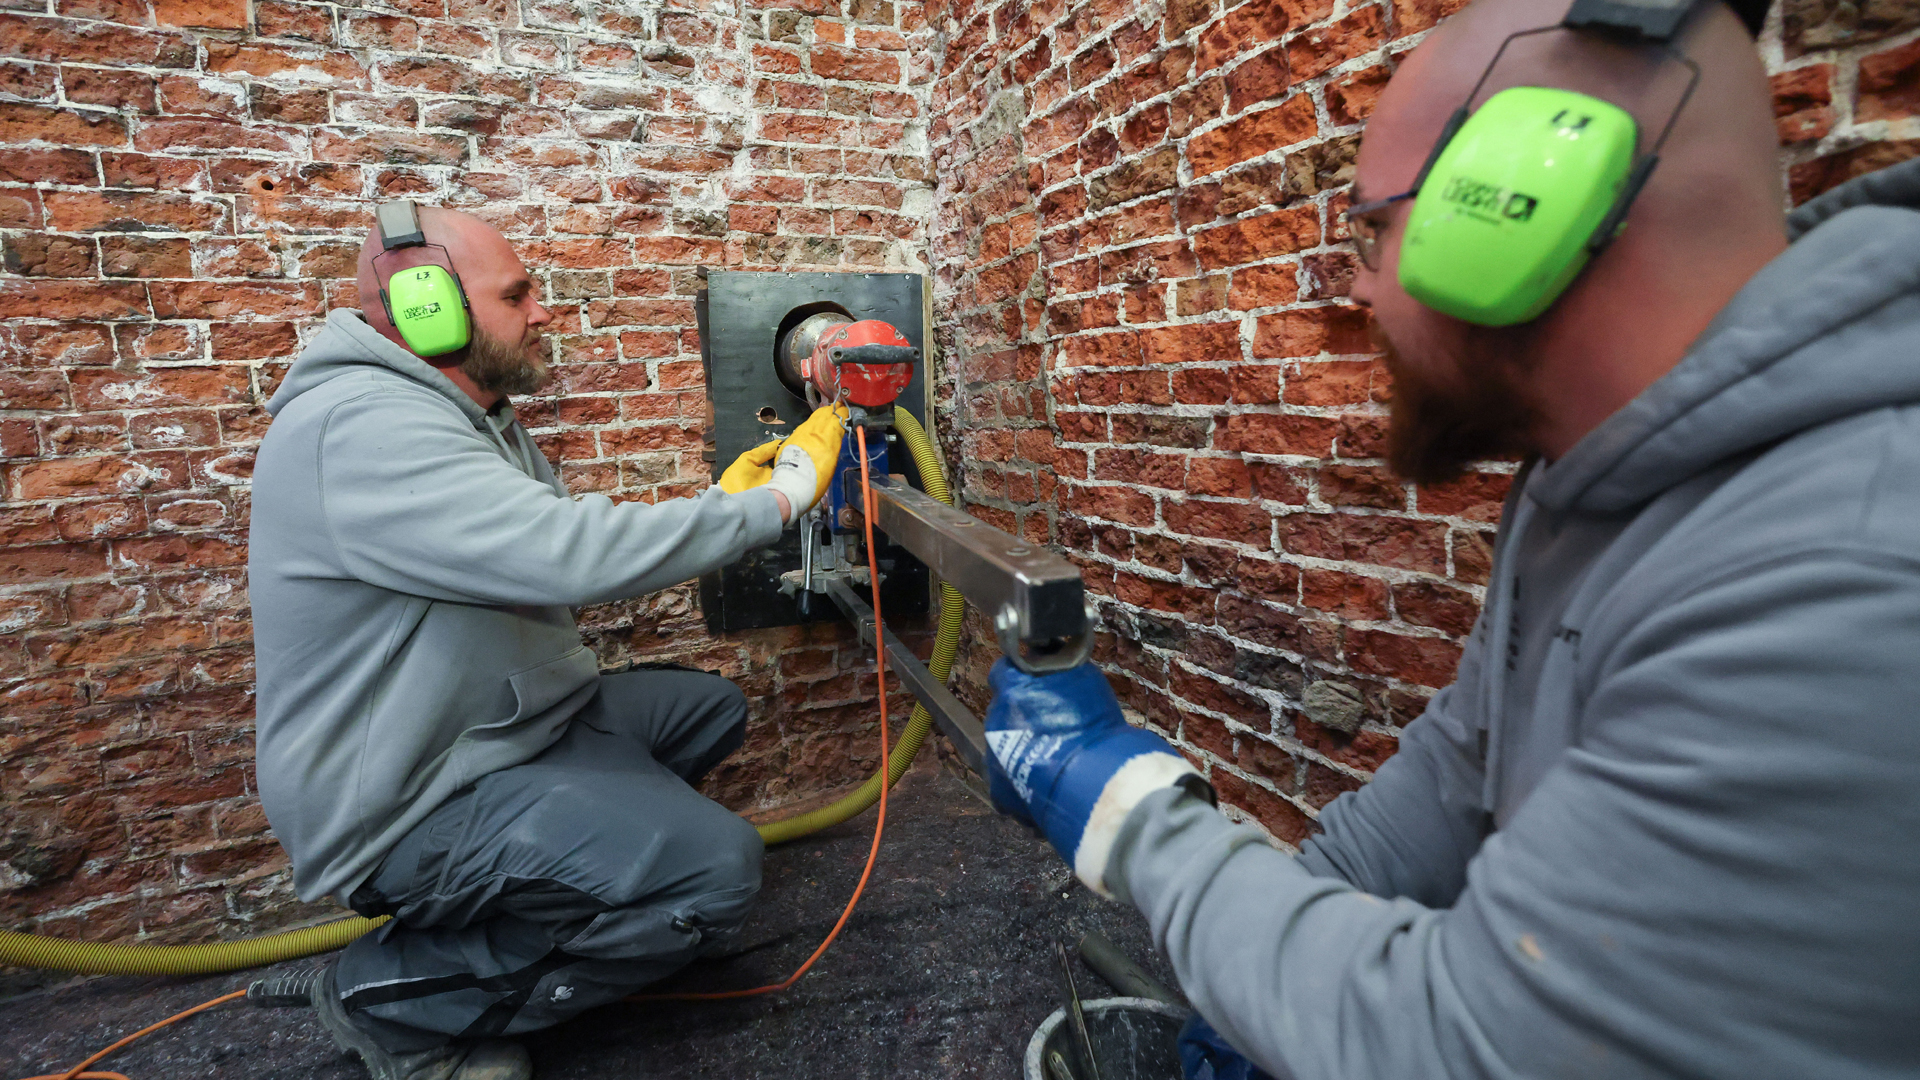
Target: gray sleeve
{"x":415,"y":503}
{"x":1718,"y":882}
{"x":1412,"y":830}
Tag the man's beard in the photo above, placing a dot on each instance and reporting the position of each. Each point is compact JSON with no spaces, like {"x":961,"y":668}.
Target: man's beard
{"x":1439,"y":427}
{"x":499,"y":367}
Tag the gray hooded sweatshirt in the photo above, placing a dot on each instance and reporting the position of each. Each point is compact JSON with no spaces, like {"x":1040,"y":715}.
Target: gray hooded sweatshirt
{"x":412,"y":565}
{"x":1666,"y":822}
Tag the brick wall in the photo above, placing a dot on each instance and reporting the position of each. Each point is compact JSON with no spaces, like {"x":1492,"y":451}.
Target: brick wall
{"x":1141,"y":276}
{"x":183,"y":186}
{"x":1131,"y":215}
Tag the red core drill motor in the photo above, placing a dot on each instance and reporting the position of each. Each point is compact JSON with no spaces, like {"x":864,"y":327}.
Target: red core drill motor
{"x":864,"y":364}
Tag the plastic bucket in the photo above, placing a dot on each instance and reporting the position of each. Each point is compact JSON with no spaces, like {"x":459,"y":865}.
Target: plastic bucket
{"x":1133,"y":1038}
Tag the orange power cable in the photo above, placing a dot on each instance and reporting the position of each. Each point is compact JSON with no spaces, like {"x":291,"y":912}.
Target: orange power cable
{"x":880,"y":824}
{"x":78,"y":1072}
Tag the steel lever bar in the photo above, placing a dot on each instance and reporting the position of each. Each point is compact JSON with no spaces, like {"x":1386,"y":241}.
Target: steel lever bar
{"x":1035,"y":598}
{"x":955,"y":721}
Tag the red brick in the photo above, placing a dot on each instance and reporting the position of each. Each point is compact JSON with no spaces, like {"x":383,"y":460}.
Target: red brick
{"x":1280,"y":817}
{"x":140,"y":256}
{"x":1264,"y":286}
{"x":1268,"y":579}
{"x":1245,"y":28}
{"x":1889,"y":86}
{"x":1252,"y":135}
{"x":131,"y":90}
{"x":21,"y":123}
{"x":1349,"y":596}
{"x":1166,"y":596}
{"x":1141,"y":467}
{"x":1326,"y":47}
{"x":1248,"y":240}
{"x":861,"y":65}
{"x":1350,"y":98}
{"x":1223,"y":477}
{"x":1257,"y":80}
{"x":1193,"y":342}
{"x":1803,"y":103}
{"x":46,"y":166}
{"x":1270,"y":433}
{"x":1427,"y":603}
{"x":1423,"y":661}
{"x":1121,"y":348}
{"x":68,"y":41}
{"x":1203,"y":386}
{"x":45,"y":255}
{"x":42,"y":299}
{"x":1413,"y":16}
{"x":235,"y":299}
{"x":1338,"y":329}
{"x":1475,"y":496}
{"x":106,"y":388}
{"x":208,"y":14}
{"x":1221,"y":698}
{"x":1361,"y":485}
{"x":1402,"y":543}
{"x":267,"y":61}
{"x":52,"y":562}
{"x":1240,"y":522}
{"x":129,"y":211}
{"x":1810,"y":178}
{"x":67,"y":477}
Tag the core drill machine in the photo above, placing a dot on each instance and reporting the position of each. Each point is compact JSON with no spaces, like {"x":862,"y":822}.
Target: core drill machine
{"x":776,"y":346}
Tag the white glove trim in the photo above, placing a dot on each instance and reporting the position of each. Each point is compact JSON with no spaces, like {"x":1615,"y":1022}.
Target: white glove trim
{"x":794,"y":477}
{"x":1140,"y":777}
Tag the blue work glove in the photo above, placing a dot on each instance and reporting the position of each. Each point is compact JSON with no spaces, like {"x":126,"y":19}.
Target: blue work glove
{"x":1065,"y":761}
{"x":1204,"y":1055}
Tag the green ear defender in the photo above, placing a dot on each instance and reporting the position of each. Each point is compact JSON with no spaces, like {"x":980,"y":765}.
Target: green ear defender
{"x":425,"y":303}
{"x":1509,"y":211}
{"x":429,"y":309}
{"x":1519,"y":195}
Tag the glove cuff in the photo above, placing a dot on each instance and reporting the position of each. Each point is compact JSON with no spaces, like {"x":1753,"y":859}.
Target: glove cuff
{"x":795,"y":477}
{"x":1140,"y":777}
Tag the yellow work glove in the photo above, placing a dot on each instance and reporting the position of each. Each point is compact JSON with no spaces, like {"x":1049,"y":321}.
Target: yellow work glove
{"x":751,"y":469}
{"x":802,"y":463}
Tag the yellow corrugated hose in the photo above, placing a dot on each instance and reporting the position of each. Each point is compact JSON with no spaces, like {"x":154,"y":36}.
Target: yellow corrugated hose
{"x":98,"y":958}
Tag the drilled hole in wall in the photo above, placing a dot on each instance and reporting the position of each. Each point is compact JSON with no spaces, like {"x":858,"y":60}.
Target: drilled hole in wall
{"x":768,"y":416}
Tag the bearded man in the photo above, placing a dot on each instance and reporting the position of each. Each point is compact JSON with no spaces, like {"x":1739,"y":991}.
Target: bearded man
{"x":435,"y":742}
{"x":1665,"y":823}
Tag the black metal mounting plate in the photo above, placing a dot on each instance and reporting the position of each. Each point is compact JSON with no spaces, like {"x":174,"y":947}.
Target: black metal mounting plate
{"x":740,"y":315}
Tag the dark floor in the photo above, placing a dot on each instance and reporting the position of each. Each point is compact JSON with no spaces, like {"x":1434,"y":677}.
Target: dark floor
{"x":943,"y":971}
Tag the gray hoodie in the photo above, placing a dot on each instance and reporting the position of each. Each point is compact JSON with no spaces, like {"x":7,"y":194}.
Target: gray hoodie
{"x":412,"y":563}
{"x":1666,"y":822}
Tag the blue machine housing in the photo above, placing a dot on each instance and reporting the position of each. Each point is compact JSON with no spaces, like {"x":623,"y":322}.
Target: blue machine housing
{"x":845,"y":490}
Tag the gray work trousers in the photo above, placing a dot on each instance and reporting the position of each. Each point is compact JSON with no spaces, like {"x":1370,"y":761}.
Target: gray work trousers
{"x":563,"y":883}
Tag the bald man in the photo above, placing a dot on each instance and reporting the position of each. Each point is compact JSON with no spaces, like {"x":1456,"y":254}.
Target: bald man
{"x":435,"y":742}
{"x":1666,"y":821}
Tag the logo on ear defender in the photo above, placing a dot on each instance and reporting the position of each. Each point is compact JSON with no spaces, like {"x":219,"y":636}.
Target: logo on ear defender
{"x":1482,"y":200}
{"x":421,"y":311}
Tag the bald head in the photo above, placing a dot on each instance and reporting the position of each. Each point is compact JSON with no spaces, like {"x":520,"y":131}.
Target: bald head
{"x":478,"y":252}
{"x":507,"y":353}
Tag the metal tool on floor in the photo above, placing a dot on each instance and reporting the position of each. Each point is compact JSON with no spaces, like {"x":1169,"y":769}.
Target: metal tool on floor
{"x":1083,"y":1042}
{"x":1126,"y":977}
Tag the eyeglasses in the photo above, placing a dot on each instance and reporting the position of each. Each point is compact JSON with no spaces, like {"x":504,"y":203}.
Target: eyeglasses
{"x":1364,"y":226}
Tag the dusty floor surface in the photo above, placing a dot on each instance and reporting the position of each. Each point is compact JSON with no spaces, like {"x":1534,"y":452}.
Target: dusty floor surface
{"x":944,"y":971}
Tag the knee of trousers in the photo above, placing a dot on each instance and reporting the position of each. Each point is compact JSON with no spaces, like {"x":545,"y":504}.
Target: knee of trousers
{"x":728,"y":878}
{"x":731,"y":707}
